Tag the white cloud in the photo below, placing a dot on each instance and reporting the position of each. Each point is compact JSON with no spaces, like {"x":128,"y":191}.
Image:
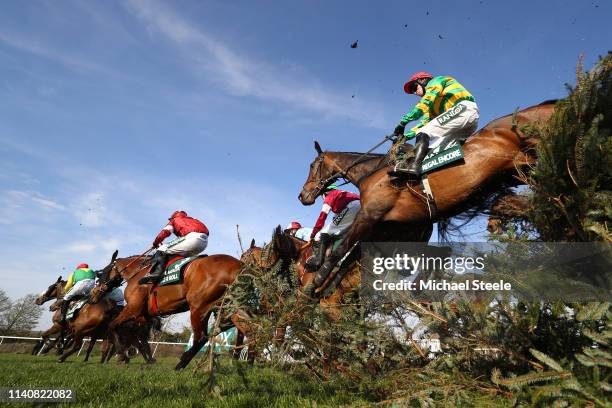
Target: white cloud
{"x":46,"y":51}
{"x":242,"y":76}
{"x":17,"y":206}
{"x":80,"y":247}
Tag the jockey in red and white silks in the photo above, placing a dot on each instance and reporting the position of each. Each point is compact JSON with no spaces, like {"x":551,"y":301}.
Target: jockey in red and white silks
{"x":192,"y":239}
{"x":345,"y":205}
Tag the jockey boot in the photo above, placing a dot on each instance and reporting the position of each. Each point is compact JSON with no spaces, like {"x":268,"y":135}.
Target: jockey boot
{"x":420,"y":151}
{"x":157,"y":270}
{"x":315,"y":261}
{"x":63,"y":311}
{"x":324,"y":271}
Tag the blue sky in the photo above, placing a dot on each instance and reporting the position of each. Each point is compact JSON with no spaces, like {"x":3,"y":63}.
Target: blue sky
{"x":114,"y":114}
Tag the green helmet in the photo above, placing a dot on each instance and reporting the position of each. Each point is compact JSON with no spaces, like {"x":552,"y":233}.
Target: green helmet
{"x":331,"y":187}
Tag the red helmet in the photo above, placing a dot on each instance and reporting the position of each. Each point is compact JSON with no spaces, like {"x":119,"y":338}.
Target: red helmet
{"x":416,"y":77}
{"x":293,"y":225}
{"x":178,"y":213}
{"x":82,"y":266}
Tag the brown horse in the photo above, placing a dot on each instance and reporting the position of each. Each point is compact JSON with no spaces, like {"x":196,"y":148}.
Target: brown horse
{"x":54,"y":291}
{"x":491,"y":158}
{"x":288,"y":249}
{"x":204,"y":282}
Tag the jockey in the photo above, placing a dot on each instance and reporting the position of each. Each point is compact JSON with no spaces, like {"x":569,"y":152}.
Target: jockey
{"x":295,"y":229}
{"x":345,"y":205}
{"x":443,"y":99}
{"x":192,"y":239}
{"x":80,"y":282}
{"x":116,"y":295}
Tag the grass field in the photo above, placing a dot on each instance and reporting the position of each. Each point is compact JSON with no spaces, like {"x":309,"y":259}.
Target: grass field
{"x":158,"y":385}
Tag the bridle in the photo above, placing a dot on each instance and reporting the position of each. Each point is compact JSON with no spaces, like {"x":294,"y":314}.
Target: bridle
{"x":342,"y":173}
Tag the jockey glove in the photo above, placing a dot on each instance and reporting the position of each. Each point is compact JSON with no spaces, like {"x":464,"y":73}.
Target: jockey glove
{"x":399,"y":130}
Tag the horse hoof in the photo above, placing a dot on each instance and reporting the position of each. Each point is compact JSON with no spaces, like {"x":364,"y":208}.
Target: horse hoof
{"x":151,"y":361}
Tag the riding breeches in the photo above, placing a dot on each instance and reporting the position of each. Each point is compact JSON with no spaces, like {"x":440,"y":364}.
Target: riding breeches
{"x":342,"y":221}
{"x":81,"y":288}
{"x":460,"y":120}
{"x":189,"y":245}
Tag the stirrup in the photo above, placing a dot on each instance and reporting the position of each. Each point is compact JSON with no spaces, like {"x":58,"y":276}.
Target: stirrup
{"x":148,"y":279}
{"x":401,"y":172}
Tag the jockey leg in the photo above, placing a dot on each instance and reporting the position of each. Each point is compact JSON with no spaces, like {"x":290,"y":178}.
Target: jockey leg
{"x":157,"y":270}
{"x":339,"y":229}
{"x":315,"y":261}
{"x":420,"y":151}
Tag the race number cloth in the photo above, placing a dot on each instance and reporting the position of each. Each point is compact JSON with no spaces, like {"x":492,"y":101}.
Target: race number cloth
{"x":174,"y":272}
{"x":74,"y":308}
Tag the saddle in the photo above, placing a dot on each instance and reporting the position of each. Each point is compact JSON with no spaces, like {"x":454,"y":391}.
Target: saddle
{"x":447,"y":152}
{"x":175,"y":267}
{"x":75,"y":306}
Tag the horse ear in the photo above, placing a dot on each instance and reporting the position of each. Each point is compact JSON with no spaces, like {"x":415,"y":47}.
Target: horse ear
{"x":318,"y":148}
{"x":59,"y":279}
{"x":278,"y":230}
{"x":252,"y":243}
{"x":115,"y":255}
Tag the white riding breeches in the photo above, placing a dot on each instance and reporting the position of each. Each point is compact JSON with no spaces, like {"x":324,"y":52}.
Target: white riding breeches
{"x":81,"y":288}
{"x":189,"y":245}
{"x":460,"y":120}
{"x":342,"y":221}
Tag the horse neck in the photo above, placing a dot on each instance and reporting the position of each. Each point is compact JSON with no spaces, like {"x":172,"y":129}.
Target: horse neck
{"x":59,"y":290}
{"x":354,"y":166}
{"x":136,"y":269}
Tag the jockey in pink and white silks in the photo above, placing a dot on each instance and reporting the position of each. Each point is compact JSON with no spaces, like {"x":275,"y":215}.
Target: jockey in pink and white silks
{"x":80,"y":282}
{"x":192,"y":239}
{"x":345,"y":205}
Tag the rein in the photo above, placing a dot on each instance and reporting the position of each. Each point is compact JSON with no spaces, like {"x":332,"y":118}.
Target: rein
{"x":119,"y":272}
{"x":344,"y":172}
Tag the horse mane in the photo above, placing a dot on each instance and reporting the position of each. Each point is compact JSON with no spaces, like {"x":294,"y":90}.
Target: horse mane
{"x":548,"y":102}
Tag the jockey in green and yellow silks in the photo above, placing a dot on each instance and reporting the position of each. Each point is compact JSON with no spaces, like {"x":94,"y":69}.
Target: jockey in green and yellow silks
{"x":80,"y":282}
{"x":446,"y":109}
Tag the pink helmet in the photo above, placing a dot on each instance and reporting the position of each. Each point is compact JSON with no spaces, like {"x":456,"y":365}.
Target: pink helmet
{"x":414,"y":78}
{"x":178,"y":213}
{"x":293,"y":225}
{"x":82,"y":266}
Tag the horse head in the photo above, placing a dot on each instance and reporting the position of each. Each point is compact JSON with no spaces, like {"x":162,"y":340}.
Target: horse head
{"x":284,"y":245}
{"x":319,"y":177}
{"x":108,"y":279}
{"x":53,"y":292}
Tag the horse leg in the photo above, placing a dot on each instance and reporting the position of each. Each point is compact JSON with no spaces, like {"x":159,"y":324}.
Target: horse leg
{"x":118,"y":347}
{"x":92,"y":343}
{"x":104,"y":350}
{"x":199,"y":326}
{"x":78,"y":342}
{"x":142,"y":343}
{"x":363,"y":224}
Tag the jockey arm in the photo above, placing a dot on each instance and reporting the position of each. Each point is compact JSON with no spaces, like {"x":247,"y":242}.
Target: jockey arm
{"x":163,"y":234}
{"x":70,"y":283}
{"x":321,"y":220}
{"x":423,"y":109}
